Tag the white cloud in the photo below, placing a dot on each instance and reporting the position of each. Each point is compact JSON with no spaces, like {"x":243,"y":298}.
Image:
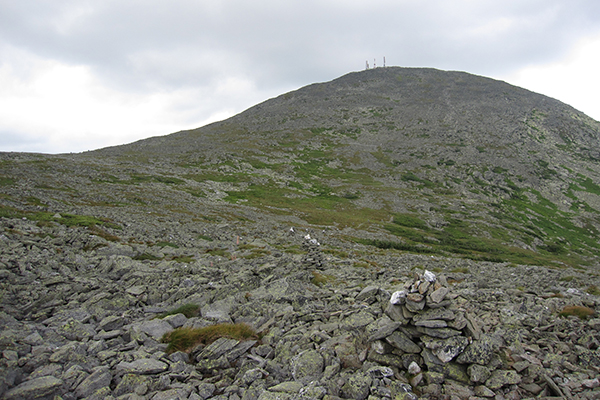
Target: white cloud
{"x":62,"y":107}
{"x":573,"y":80}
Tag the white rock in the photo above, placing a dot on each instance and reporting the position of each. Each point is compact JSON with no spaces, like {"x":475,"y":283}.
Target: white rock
{"x":429,"y":276}
{"x":398,"y":297}
{"x":591,"y":383}
{"x":414,"y":368}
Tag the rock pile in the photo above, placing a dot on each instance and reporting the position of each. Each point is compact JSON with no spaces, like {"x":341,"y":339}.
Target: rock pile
{"x":78,"y":321}
{"x":438,"y":343}
{"x":313,"y":257}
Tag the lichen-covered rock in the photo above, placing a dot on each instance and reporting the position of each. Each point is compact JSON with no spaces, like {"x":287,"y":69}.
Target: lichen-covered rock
{"x":447,"y":349}
{"x":155,"y":328}
{"x":358,"y":320}
{"x":143,"y":366}
{"x":401,"y":341}
{"x":478,"y":373}
{"x":132,"y":383}
{"x":287,"y":387}
{"x":307,"y":366}
{"x":357,"y":386}
{"x":99,"y":378}
{"x":501,"y":377}
{"x":479,"y":352}
{"x":44,"y":386}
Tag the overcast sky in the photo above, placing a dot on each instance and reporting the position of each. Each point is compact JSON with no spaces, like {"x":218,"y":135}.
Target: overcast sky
{"x":79,"y":75}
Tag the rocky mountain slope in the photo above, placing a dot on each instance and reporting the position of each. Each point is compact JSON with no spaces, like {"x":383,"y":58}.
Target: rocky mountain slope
{"x":394,"y":233}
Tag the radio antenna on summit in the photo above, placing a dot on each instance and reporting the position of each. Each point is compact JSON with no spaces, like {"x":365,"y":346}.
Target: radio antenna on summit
{"x":367,"y":64}
{"x":383,"y":61}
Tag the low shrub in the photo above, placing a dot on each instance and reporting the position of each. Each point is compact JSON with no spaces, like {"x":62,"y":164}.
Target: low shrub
{"x":593,"y":289}
{"x":320,"y":279}
{"x":189,"y":310}
{"x":184,"y":259}
{"x":186,"y":338}
{"x":218,"y":252}
{"x":578,"y":311}
{"x":146,"y":257}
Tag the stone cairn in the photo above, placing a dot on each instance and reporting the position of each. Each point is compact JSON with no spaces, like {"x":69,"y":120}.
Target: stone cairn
{"x":314,"y":257}
{"x":437,"y":341}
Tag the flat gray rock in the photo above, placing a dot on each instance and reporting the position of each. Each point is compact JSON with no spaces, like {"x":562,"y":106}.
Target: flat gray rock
{"x":143,"y":366}
{"x":98,"y":379}
{"x":217,"y":348}
{"x":34,"y":389}
{"x":155,"y":328}
{"x":401,"y":341}
{"x":432,"y":323}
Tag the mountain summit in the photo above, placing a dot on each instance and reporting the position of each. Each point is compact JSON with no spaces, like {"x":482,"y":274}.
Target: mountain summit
{"x":411,"y":158}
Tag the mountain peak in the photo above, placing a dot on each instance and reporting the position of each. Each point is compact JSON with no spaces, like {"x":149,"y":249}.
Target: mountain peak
{"x":475,"y":165}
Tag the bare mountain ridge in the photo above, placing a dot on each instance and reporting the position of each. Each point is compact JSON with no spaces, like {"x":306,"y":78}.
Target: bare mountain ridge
{"x":395,"y":104}
{"x":416,"y":117}
{"x":414,"y":159}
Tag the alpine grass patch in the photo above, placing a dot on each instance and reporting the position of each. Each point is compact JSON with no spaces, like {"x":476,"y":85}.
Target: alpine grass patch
{"x":186,"y":338}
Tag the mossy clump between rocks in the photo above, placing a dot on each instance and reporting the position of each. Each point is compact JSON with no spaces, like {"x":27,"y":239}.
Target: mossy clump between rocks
{"x":319,"y":279}
{"x":189,"y":310}
{"x":578,"y":311}
{"x":186,"y":338}
{"x":593,"y":289}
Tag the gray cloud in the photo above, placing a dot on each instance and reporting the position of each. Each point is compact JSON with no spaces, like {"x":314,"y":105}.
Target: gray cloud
{"x":181,"y":42}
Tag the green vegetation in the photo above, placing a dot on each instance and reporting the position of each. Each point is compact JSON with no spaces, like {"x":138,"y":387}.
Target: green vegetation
{"x":218,"y":252}
{"x":319,"y":279}
{"x":361,"y":264}
{"x":543,"y":220}
{"x":411,"y":177}
{"x":410,"y":221}
{"x":70,"y":220}
{"x":166,"y":244}
{"x":146,"y":257}
{"x":141,"y":178}
{"x":6,"y":181}
{"x":593,"y":290}
{"x":386,"y":244}
{"x":80,"y":220}
{"x":578,"y":311}
{"x":10,"y":212}
{"x":189,"y":310}
{"x":184,"y":259}
{"x":186,"y":338}
{"x":96,"y":230}
{"x":586,"y":185}
{"x":567,"y":278}
{"x":336,"y":253}
{"x":257,"y":253}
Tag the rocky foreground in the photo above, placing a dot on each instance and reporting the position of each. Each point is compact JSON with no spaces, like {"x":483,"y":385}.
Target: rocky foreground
{"x":78,"y":312}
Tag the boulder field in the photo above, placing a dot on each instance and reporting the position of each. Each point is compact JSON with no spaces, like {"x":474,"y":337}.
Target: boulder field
{"x":82,"y":317}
